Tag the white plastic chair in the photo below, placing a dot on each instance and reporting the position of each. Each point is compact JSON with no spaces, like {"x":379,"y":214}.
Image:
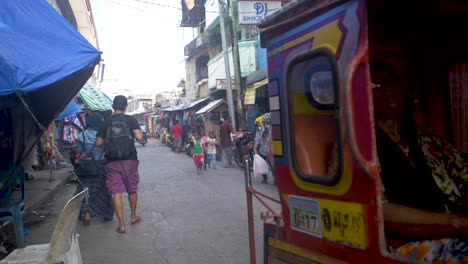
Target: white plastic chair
{"x":63,"y":247}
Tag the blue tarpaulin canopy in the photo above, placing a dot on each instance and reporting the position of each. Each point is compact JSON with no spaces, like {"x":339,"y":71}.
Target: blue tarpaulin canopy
{"x":44,"y":62}
{"x":71,"y":109}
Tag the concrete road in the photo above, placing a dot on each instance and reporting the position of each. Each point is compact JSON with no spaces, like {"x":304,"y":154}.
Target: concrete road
{"x":187,"y":218}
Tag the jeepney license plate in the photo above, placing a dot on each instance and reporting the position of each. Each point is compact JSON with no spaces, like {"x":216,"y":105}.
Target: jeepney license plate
{"x":305,"y":215}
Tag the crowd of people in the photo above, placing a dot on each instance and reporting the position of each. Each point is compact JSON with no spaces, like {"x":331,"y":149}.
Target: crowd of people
{"x":206,"y":146}
{"x":106,"y":160}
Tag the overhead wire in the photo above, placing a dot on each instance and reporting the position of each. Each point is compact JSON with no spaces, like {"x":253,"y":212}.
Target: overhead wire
{"x":215,"y":12}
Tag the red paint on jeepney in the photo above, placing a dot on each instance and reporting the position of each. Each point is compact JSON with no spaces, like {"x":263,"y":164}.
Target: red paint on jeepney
{"x":285,"y":44}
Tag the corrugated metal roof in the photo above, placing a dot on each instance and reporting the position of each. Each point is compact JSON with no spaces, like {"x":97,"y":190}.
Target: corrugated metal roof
{"x":210,"y":106}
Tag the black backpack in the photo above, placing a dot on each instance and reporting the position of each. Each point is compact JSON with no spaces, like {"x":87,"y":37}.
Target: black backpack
{"x":119,"y":145}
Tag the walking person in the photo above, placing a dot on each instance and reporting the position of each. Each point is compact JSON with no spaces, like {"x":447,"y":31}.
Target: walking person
{"x":198,"y":157}
{"x":177,"y":131}
{"x":211,"y":150}
{"x":204,"y":146}
{"x":99,"y":204}
{"x":263,"y":142}
{"x":117,"y":135}
{"x":226,"y":142}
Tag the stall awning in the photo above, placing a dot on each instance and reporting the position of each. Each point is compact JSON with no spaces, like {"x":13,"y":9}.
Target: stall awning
{"x":71,"y":109}
{"x":256,"y":76}
{"x":94,"y":99}
{"x":249,"y":97}
{"x":197,"y":102}
{"x":44,"y":62}
{"x":209,"y":107}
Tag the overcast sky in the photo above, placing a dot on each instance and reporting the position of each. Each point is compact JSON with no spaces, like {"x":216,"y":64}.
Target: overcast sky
{"x":142,"y":45}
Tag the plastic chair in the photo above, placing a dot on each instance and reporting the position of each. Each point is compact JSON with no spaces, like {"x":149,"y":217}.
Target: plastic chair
{"x":12,"y":206}
{"x":63,"y":247}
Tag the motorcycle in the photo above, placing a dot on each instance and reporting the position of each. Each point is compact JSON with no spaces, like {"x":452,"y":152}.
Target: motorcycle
{"x":145,"y":133}
{"x":145,"y":139}
{"x":188,"y":145}
{"x":244,"y":145}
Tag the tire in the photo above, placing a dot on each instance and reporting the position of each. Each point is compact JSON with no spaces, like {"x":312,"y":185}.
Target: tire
{"x":239,"y":163}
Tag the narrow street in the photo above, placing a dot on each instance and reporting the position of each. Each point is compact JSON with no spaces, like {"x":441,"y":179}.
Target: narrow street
{"x":187,"y":218}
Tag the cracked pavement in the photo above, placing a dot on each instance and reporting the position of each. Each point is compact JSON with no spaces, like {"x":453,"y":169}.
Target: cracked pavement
{"x":186,"y":218}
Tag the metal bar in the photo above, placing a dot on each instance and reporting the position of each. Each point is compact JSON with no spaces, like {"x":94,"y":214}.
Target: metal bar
{"x":248,"y":183}
{"x":265,"y":204}
{"x":264,"y":195}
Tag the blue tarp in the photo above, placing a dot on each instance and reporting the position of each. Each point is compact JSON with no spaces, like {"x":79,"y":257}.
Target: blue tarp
{"x":71,"y":109}
{"x":38,"y":47}
{"x":44,"y":62}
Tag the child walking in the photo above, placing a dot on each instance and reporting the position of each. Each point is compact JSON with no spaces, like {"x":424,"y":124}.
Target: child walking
{"x":198,"y":157}
{"x":203,"y":138}
{"x":211,"y":141}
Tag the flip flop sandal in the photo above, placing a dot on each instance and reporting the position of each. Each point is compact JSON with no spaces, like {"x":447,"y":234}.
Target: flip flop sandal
{"x":136,"y":221}
{"x":120,"y":231}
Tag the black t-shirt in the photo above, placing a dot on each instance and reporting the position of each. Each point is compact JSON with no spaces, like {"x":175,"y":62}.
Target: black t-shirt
{"x":132,"y":124}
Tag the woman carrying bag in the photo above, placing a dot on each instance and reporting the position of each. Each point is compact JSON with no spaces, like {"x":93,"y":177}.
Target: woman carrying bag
{"x":89,"y":162}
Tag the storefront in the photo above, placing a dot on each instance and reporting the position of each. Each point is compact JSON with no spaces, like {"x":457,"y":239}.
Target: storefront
{"x":212,"y":114}
{"x":256,"y":97}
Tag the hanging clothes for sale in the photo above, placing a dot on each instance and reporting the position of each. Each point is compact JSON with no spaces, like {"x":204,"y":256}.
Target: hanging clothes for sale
{"x":74,"y":120}
{"x":70,"y":134}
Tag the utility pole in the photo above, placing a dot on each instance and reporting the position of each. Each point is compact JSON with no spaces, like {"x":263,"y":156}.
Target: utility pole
{"x":222,"y":12}
{"x":236,"y":61}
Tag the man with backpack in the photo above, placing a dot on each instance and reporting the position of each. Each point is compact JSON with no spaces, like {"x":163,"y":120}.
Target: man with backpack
{"x":116,"y":134}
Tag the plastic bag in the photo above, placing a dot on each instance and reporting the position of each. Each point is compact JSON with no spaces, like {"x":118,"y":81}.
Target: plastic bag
{"x":260,"y":166}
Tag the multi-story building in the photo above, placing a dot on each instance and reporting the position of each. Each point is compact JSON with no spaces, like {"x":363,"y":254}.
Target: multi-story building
{"x":139,"y":103}
{"x":205,"y":63}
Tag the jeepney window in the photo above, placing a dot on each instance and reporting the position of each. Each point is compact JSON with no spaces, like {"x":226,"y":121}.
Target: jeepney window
{"x":315,"y":148}
{"x":321,"y":87}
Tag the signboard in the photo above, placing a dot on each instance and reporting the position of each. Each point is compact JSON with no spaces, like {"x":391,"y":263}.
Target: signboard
{"x":221,"y":84}
{"x":251,"y":12}
{"x":344,"y":222}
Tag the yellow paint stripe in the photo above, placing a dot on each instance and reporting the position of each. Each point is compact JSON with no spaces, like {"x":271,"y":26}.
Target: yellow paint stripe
{"x":302,"y":252}
{"x":328,"y":36}
{"x":278,"y":147}
{"x":302,"y":106}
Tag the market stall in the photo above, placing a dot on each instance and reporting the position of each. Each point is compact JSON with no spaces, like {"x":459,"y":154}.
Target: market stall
{"x":44,"y":62}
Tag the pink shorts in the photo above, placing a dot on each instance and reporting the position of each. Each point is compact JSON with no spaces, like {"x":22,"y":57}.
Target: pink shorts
{"x":122,"y":176}
{"x":198,"y":159}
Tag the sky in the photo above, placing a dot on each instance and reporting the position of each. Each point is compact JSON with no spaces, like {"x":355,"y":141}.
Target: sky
{"x":142,"y":45}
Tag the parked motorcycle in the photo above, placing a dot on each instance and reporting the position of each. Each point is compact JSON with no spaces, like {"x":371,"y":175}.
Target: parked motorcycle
{"x":243,"y":145}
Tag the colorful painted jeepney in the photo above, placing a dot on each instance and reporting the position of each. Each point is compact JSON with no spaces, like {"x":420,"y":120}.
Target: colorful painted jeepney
{"x":321,"y":104}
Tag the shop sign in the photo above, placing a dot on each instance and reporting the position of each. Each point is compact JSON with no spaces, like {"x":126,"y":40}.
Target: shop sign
{"x":221,"y":84}
{"x":252,"y":12}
